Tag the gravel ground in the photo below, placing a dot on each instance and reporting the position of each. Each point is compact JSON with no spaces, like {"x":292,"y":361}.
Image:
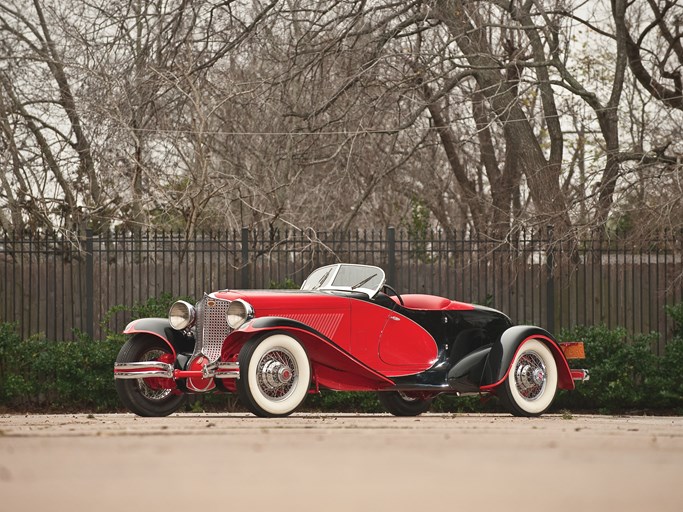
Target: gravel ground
{"x":331,"y":462}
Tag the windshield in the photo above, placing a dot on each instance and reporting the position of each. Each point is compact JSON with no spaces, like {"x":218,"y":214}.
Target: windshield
{"x":362,"y":278}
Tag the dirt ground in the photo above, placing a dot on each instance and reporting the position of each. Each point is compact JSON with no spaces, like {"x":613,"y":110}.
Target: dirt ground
{"x":328,"y":462}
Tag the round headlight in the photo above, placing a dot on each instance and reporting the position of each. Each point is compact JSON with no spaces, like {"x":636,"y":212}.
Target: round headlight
{"x":238,"y":312}
{"x":181,"y":315}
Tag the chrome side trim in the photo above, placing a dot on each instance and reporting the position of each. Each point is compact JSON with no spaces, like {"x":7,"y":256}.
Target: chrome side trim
{"x":143,"y":370}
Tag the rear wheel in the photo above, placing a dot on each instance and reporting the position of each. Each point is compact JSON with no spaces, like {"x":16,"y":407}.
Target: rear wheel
{"x":274,"y":375}
{"x":531,"y":384}
{"x":404,"y":404}
{"x":151,"y":396}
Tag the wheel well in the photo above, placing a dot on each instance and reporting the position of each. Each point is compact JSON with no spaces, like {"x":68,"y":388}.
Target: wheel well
{"x":331,"y":365}
{"x":504,"y":352}
{"x":147,"y":335}
{"x":564,"y":376}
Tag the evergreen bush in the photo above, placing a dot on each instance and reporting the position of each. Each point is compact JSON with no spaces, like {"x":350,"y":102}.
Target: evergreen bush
{"x":626,"y":375}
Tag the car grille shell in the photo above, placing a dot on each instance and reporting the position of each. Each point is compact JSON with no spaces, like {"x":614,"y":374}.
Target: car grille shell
{"x":212,"y":328}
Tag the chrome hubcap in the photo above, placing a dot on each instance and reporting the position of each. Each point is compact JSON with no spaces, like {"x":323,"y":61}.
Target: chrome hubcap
{"x":276,"y":374}
{"x":530,"y":376}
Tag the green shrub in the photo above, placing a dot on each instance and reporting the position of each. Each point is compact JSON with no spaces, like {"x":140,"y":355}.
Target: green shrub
{"x":8,"y":335}
{"x":625,"y":374}
{"x":56,"y":376}
{"x":287,"y":284}
{"x":676,"y":314}
{"x":669,"y":380}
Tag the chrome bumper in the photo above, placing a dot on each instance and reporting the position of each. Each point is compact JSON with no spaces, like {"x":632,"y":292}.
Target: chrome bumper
{"x":222,"y":370}
{"x":149,"y":369}
{"x":143,"y":370}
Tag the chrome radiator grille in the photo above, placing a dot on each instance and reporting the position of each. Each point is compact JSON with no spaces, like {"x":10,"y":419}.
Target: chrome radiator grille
{"x":212,"y":327}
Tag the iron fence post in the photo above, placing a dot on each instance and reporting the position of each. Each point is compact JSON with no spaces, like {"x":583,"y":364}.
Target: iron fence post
{"x":245,"y":258}
{"x":391,"y":255}
{"x":89,"y":284}
{"x":550,"y":282}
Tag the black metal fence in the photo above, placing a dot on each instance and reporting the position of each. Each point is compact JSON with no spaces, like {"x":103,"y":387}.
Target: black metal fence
{"x":58,"y":286}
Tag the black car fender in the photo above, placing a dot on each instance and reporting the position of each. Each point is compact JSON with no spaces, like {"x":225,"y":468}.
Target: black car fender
{"x":504,"y":350}
{"x":161,"y":328}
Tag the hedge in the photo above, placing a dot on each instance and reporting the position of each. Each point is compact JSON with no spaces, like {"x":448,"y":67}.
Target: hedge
{"x":41,"y":375}
{"x":47,"y":376}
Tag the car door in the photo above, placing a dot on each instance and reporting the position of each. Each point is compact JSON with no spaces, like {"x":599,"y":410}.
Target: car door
{"x":389,"y":342}
{"x":405,"y":345}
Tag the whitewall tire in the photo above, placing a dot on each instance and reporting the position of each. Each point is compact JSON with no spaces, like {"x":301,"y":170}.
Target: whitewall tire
{"x":275,"y":375}
{"x":531,"y":384}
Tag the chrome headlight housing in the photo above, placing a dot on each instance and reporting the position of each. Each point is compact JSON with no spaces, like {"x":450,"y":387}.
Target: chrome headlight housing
{"x":182,"y":315}
{"x":238,"y":313}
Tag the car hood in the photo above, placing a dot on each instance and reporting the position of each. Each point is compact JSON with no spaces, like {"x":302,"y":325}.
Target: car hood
{"x":285,"y":299}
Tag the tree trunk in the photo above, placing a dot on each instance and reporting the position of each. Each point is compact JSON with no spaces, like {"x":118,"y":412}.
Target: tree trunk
{"x":542,"y":177}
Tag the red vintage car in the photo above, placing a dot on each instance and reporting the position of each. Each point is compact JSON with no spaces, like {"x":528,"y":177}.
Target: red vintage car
{"x":344,"y":330}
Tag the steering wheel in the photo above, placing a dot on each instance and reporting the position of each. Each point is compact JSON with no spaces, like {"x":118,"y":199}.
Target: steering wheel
{"x":386,"y":288}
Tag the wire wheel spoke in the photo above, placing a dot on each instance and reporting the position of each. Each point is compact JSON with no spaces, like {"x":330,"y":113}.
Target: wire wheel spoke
{"x":149,"y":387}
{"x":530,"y":376}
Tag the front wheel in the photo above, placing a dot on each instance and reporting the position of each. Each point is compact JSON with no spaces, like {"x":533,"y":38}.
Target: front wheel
{"x":274,"y":375}
{"x":151,"y":396}
{"x":404,"y":404}
{"x":531,"y":384}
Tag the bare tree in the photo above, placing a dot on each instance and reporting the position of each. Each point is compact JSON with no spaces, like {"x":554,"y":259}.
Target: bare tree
{"x":31,"y":37}
{"x":486,"y":115}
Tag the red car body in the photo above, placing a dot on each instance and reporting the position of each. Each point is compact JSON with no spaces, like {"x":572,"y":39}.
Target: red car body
{"x":345,"y":330}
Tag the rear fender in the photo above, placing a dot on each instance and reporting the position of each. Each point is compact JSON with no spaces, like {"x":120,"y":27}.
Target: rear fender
{"x":332,"y":366}
{"x":505,"y":349}
{"x":160,"y":328}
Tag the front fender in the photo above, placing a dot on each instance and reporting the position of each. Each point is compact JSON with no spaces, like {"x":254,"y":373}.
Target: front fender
{"x":161,"y":328}
{"x":333,"y":366}
{"x":504,"y":350}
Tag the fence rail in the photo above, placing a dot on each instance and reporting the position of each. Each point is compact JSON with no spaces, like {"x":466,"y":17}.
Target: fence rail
{"x":57,"y":286}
